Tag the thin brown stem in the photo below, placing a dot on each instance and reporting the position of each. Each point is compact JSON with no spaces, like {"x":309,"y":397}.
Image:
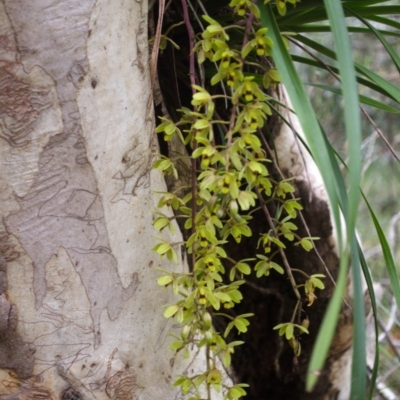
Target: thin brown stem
{"x":389,"y":339}
{"x":296,"y":310}
{"x":281,"y":252}
{"x":192,"y":71}
{"x":156,"y":45}
{"x":192,"y":76}
{"x":230,"y":135}
{"x":301,"y":272}
{"x":249,"y":25}
{"x":379,"y":132}
{"x":208,"y":356}
{"x":303,"y":221}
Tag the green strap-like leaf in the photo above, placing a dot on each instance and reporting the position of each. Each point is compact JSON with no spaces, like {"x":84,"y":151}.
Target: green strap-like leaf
{"x":383,"y":83}
{"x":370,"y":286}
{"x":353,"y":132}
{"x":394,"y":56}
{"x":326,"y":28}
{"x":362,"y":81}
{"x":385,"y":21}
{"x":363,"y":99}
{"x":314,"y":12}
{"x":388,"y":87}
{"x":359,"y":367}
{"x":319,"y":149}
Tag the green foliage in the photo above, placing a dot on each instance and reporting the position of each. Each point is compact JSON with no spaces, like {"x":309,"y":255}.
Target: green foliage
{"x":232,"y":176}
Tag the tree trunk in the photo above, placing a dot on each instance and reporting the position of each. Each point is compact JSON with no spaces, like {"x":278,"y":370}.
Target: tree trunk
{"x":80,"y":310}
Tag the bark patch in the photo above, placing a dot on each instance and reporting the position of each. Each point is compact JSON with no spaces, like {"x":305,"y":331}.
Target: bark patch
{"x":71,"y":394}
{"x":14,"y":353}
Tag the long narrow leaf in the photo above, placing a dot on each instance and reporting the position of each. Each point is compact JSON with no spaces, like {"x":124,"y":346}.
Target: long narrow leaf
{"x":362,"y":3}
{"x":388,"y":87}
{"x":327,"y":28}
{"x":359,"y":367}
{"x":353,"y":133}
{"x":385,"y":21}
{"x":370,"y":286}
{"x":389,"y":258}
{"x":383,"y":83}
{"x":363,"y":99}
{"x":316,"y":13}
{"x":361,"y":81}
{"x":388,"y":47}
{"x":377,"y":10}
{"x":320,"y":152}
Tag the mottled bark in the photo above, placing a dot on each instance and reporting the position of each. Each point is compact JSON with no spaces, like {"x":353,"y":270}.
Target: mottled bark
{"x":80,"y":309}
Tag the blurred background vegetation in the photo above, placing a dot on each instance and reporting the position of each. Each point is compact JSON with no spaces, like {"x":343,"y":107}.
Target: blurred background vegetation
{"x":380,"y":180}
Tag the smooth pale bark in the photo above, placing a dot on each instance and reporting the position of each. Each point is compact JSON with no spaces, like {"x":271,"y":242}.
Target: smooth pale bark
{"x":80,"y":309}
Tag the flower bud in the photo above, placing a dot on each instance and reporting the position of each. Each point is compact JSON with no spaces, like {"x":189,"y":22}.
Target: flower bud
{"x":212,"y":202}
{"x":294,"y":343}
{"x":185,"y":332}
{"x":220,"y":212}
{"x":233,"y":208}
{"x":305,"y":323}
{"x":207,"y":320}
